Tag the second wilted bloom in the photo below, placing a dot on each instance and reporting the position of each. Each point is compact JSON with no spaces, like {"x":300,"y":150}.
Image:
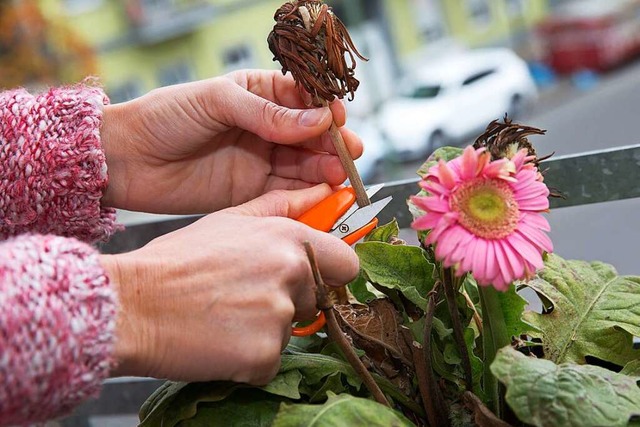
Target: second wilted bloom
{"x":485,"y":216}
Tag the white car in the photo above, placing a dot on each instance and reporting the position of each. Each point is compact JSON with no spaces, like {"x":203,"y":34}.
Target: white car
{"x":453,"y":97}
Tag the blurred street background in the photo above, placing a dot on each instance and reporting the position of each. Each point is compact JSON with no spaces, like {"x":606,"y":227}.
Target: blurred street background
{"x":571,"y":67}
{"x":438,"y":72}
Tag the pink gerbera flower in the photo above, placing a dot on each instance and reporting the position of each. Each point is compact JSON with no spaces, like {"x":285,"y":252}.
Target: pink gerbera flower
{"x":484,"y":216}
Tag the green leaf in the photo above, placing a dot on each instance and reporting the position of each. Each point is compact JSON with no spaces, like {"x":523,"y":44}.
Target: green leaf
{"x":384,"y":233}
{"x":360,"y":290}
{"x":399,"y":267}
{"x":542,"y":393}
{"x":179,"y":401}
{"x":513,"y":305}
{"x":595,"y":312}
{"x":244,"y":408}
{"x":442,"y":153}
{"x":632,"y":369}
{"x":315,"y":367}
{"x":340,"y":410}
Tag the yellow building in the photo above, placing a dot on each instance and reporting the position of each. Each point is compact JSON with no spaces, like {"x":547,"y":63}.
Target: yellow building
{"x":143,"y":44}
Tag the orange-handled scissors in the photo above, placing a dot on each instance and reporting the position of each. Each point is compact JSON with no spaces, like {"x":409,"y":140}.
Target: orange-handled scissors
{"x":339,"y":215}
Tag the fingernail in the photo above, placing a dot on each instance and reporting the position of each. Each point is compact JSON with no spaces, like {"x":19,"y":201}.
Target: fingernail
{"x":312,"y":117}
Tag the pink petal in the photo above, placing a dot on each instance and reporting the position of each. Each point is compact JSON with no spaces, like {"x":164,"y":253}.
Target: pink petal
{"x":426,"y":222}
{"x":449,"y":240}
{"x":505,"y":269}
{"x":492,"y":262}
{"x":462,"y":248}
{"x":467,"y":261}
{"x":496,"y":169}
{"x":446,"y":175}
{"x":526,"y":250}
{"x":535,"y":220}
{"x":469,"y":165}
{"x":435,"y":204}
{"x":480,"y":260}
{"x":519,"y":158}
{"x":535,"y":236}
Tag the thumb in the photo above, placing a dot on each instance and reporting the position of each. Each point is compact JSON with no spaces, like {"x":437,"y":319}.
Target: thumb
{"x":275,"y":123}
{"x":284,"y":203}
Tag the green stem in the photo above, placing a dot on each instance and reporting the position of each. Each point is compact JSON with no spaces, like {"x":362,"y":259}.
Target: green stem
{"x":494,"y":337}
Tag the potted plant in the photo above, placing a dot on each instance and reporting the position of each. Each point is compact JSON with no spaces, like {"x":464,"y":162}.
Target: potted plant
{"x":437,"y":334}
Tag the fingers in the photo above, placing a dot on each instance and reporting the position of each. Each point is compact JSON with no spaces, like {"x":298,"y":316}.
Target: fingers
{"x":274,"y":108}
{"x":306,"y":165}
{"x":281,"y":203}
{"x":338,"y":262}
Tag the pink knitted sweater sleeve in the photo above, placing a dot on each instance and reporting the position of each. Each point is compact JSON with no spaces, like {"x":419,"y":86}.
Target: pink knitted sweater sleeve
{"x":52,"y":167}
{"x":57,"y":308}
{"x":57,"y":323}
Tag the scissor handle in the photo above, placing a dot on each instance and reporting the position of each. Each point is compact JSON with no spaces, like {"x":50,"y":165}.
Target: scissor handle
{"x":323,"y":217}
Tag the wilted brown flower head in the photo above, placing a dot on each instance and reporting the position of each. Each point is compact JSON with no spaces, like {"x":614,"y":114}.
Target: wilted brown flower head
{"x":507,"y":138}
{"x":312,"y":43}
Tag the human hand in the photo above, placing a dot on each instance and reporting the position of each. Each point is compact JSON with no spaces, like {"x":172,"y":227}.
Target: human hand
{"x":216,"y":299}
{"x":206,"y":145}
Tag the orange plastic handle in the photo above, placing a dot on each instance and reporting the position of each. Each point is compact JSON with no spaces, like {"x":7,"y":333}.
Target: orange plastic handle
{"x":325,"y":214}
{"x":305,"y":331}
{"x":323,"y":217}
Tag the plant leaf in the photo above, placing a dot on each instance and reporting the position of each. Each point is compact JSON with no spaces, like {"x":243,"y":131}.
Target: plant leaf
{"x":399,"y":267}
{"x":442,"y":153}
{"x":246,"y":407}
{"x":340,"y":410}
{"x":542,"y":393}
{"x":595,"y":312}
{"x":360,"y":290}
{"x":384,"y":233}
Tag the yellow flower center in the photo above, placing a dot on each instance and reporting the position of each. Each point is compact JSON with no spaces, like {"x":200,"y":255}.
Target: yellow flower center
{"x":486,"y":208}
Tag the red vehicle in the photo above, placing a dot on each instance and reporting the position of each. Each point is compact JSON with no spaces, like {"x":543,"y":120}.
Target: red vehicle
{"x":591,"y":35}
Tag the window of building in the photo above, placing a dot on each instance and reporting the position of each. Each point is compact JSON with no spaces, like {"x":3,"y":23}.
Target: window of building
{"x":515,"y":7}
{"x":429,"y":18}
{"x":125,"y":91}
{"x":76,"y":7}
{"x":173,"y":74}
{"x":238,"y":57}
{"x":480,"y":12}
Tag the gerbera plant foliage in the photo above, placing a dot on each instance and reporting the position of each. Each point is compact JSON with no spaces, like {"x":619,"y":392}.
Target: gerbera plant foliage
{"x":441,"y":326}
{"x":436,"y":333}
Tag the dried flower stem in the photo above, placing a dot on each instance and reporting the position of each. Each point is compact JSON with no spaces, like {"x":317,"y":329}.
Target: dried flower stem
{"x":336,"y":334}
{"x":457,"y":327}
{"x":348,"y":164}
{"x":313,"y":44}
{"x":432,"y":399}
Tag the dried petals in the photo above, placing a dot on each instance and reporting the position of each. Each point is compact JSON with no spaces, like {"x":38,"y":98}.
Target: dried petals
{"x":312,"y":43}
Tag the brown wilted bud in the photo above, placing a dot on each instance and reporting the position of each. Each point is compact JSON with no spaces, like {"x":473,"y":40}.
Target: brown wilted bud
{"x":312,"y":43}
{"x":504,"y":140}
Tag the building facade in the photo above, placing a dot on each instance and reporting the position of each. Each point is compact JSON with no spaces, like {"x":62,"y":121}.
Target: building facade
{"x":143,"y":44}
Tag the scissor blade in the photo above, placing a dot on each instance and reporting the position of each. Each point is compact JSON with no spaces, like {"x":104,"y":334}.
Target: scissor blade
{"x":360,"y":218}
{"x":374,"y":189}
{"x":370,"y":192}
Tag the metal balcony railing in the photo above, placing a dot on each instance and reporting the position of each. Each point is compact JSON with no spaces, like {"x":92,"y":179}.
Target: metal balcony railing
{"x":160,"y":20}
{"x":594,"y":177}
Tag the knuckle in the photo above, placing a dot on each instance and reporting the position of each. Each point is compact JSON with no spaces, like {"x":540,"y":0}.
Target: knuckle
{"x":261,"y":364}
{"x":275,"y":114}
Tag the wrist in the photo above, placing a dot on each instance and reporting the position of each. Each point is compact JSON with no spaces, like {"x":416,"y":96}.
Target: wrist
{"x":113,"y":138}
{"x":126,"y":351}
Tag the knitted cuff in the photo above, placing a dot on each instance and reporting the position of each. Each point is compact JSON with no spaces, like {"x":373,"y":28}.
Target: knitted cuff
{"x":57,"y":327}
{"x":52,"y":167}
